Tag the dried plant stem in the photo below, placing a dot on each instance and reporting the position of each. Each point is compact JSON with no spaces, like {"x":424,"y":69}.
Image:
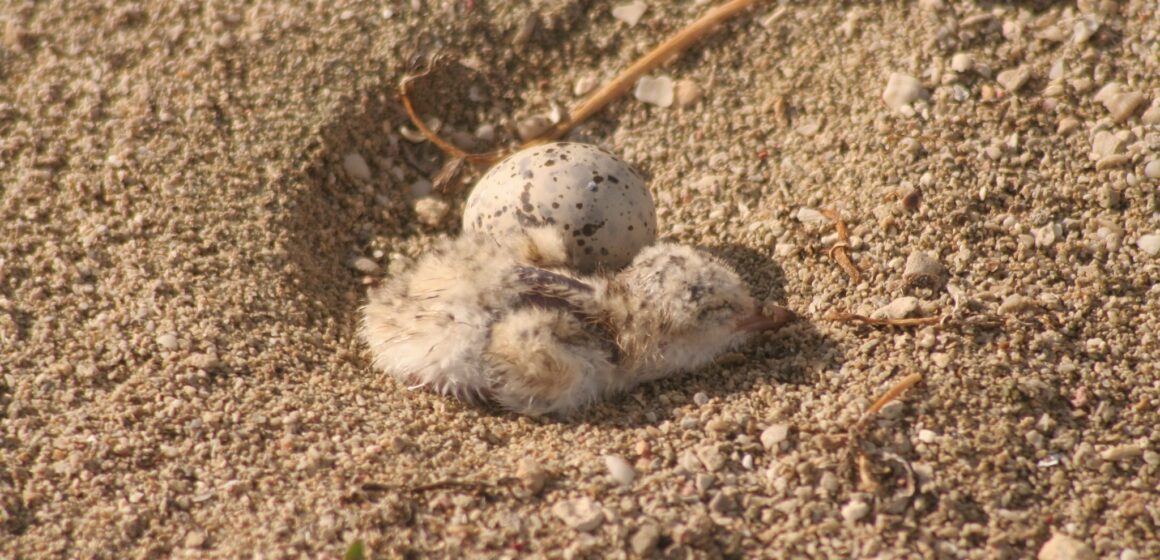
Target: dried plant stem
{"x":908,"y":322}
{"x":598,"y":100}
{"x":898,"y":388}
{"x":840,"y":252}
{"x":649,"y":62}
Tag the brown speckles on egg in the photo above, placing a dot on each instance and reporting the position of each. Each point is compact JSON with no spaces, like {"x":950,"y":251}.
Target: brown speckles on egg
{"x":591,"y":229}
{"x":558,"y":185}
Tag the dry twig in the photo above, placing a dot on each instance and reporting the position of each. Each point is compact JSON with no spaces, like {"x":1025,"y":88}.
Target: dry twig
{"x":898,"y":388}
{"x":907,"y":322}
{"x":866,"y":477}
{"x":590,"y":106}
{"x":840,"y":252}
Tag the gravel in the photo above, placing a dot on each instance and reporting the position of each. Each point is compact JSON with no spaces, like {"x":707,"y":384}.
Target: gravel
{"x":174,"y":197}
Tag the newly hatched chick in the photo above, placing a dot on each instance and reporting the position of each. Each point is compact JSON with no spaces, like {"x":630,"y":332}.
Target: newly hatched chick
{"x":477,"y":319}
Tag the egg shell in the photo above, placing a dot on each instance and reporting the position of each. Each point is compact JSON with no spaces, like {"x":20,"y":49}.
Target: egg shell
{"x":597,"y":201}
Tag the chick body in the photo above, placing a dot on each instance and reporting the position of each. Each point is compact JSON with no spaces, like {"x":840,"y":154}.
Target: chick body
{"x":504,"y":321}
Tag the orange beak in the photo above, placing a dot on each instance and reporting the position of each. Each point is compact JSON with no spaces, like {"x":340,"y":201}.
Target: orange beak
{"x":759,"y":322}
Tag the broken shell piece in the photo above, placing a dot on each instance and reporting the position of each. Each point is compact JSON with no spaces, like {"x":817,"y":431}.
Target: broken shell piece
{"x":902,"y":90}
{"x":630,"y":13}
{"x":655,"y":91}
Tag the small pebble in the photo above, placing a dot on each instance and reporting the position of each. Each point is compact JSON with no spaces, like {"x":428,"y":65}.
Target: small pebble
{"x":1106,"y":144}
{"x":365,"y":265}
{"x":619,"y":469}
{"x":1150,"y":244}
{"x":687,"y":92}
{"x":900,"y":308}
{"x":1047,"y":235}
{"x":962,"y":62}
{"x":1107,"y":92}
{"x":722,"y":504}
{"x":1063,"y":547}
{"x":1013,"y":79}
{"x":711,"y":457}
{"x":922,"y":268}
{"x":485,"y":132}
{"x":720,"y":425}
{"x":829,"y":483}
{"x":204,"y":361}
{"x":1067,"y":125}
{"x":1152,"y":115}
{"x":194,"y":539}
{"x":772,"y":436}
{"x":1152,"y":169}
{"x":1112,"y":162}
{"x":644,"y":540}
{"x":701,"y":399}
{"x":1123,"y":105}
{"x":585,"y":84}
{"x":902,"y":90}
{"x":356,"y":167}
{"x":582,"y":514}
{"x":531,"y":474}
{"x":421,"y":188}
{"x":1016,"y":303}
{"x":431,"y":210}
{"x":1122,"y":452}
{"x":1084,"y":29}
{"x":630,"y":13}
{"x":655,"y":91}
{"x":855,"y":511}
{"x":927,"y":436}
{"x":810,"y":216}
{"x":530,"y":128}
{"x":168,"y":341}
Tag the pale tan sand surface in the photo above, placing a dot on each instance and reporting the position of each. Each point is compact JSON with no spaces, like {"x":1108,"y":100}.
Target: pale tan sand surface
{"x":180,"y":213}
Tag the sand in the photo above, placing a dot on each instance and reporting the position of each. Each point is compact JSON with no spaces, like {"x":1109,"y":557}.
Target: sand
{"x":179,"y":368}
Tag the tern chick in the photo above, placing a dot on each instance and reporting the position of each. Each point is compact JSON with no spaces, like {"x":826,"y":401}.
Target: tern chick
{"x":504,"y":321}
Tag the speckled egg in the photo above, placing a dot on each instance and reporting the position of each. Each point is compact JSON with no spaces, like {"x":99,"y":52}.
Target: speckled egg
{"x":598,"y":202}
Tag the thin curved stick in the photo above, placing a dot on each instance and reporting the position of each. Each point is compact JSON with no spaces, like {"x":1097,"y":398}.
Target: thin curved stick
{"x":593,"y":104}
{"x":899,"y":388}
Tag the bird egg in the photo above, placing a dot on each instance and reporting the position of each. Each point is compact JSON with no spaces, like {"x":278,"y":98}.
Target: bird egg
{"x":597,"y":202}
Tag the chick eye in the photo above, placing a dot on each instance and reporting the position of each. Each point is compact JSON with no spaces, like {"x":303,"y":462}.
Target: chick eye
{"x":712,"y":310}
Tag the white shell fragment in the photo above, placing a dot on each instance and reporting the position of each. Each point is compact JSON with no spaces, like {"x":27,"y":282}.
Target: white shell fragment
{"x":619,"y":469}
{"x":597,"y":201}
{"x":902,"y":90}
{"x":630,"y":13}
{"x":655,"y":91}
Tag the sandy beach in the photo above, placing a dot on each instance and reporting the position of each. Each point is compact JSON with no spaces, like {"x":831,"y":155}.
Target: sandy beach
{"x":194,"y":197}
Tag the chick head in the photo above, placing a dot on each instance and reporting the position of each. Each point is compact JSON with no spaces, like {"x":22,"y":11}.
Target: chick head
{"x":689,"y":305}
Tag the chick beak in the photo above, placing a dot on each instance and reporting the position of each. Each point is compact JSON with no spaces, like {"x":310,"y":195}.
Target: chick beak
{"x":758,"y":322}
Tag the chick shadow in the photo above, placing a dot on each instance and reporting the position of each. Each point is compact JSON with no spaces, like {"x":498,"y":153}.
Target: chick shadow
{"x":331,"y":216}
{"x":794,"y":355}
